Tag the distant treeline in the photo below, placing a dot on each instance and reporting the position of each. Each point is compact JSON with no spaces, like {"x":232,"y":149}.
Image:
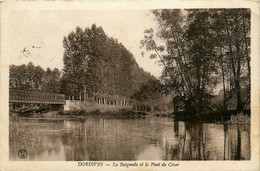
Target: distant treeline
{"x":31,"y":77}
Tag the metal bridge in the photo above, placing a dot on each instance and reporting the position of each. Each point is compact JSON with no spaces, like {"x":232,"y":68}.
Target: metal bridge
{"x":35,"y":97}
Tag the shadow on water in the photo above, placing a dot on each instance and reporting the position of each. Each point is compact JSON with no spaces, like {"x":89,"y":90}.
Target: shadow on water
{"x":94,"y":138}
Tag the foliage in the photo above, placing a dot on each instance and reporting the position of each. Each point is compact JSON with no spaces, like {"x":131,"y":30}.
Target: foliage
{"x":100,"y":63}
{"x":200,"y":49}
{"x":34,"y":78}
{"x":148,"y":91}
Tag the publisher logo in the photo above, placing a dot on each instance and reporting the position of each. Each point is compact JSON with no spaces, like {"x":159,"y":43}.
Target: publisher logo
{"x":22,"y":153}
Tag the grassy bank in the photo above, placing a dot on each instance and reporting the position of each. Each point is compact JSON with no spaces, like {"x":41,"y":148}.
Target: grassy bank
{"x":122,"y":113}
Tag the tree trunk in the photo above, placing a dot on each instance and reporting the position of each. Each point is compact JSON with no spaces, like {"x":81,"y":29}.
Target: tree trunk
{"x":247,"y":51}
{"x":223,"y":80}
{"x":237,"y":82}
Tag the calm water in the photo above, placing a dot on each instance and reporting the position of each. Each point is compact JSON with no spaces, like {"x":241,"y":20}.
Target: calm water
{"x":94,"y":138}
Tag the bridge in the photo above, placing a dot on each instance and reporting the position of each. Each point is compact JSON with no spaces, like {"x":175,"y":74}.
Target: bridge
{"x":31,"y":101}
{"x":35,"y":97}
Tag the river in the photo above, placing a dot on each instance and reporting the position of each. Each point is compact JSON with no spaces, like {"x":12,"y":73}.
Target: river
{"x":108,"y":139}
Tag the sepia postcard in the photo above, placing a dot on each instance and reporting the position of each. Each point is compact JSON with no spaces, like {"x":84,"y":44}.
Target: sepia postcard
{"x":129,"y":85}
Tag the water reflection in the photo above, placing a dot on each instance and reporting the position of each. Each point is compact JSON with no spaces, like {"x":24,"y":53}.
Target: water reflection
{"x":95,"y":138}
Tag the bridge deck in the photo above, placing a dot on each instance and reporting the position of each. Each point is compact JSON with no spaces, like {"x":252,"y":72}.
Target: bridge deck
{"x":30,"y":96}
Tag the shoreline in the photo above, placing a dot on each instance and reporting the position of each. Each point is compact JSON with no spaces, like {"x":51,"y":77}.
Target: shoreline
{"x":230,"y":117}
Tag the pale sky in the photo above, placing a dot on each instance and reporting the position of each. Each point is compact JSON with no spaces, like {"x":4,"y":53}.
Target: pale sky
{"x":46,"y":29}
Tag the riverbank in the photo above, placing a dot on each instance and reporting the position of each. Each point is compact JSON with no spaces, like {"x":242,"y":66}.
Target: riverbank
{"x":230,"y":117}
{"x":121,"y":113}
{"x":215,"y":116}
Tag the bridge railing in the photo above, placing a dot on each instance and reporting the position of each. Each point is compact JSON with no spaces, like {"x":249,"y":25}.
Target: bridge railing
{"x":30,"y":96}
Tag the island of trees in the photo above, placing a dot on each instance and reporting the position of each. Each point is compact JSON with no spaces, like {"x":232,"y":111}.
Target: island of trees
{"x":203,"y":50}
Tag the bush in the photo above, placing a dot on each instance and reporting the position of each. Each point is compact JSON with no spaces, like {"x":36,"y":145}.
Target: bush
{"x":95,"y":112}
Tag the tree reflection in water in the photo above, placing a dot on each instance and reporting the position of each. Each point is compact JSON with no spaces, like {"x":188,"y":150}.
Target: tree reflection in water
{"x":94,"y":138}
{"x":202,"y":141}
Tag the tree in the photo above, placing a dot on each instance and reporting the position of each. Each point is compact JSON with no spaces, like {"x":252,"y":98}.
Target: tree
{"x":232,"y":29}
{"x":74,"y":59}
{"x":150,"y":90}
{"x":51,"y":80}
